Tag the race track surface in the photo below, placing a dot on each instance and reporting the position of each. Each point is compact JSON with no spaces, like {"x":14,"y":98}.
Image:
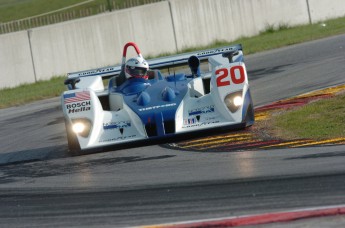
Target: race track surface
{"x":41,"y":185}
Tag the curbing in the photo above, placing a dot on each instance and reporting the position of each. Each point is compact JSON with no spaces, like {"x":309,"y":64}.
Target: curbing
{"x":259,"y":218}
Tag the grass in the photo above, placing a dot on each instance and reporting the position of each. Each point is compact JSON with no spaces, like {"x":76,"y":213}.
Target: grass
{"x":31,"y":92}
{"x":18,"y":9}
{"x":323,"y":119}
{"x":269,"y":39}
{"x":284,"y":35}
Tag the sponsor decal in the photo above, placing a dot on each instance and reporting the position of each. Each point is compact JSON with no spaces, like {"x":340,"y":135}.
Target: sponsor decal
{"x":78,"y":107}
{"x":82,"y":109}
{"x":189,"y":121}
{"x":97,"y":71}
{"x":215,"y":51}
{"x":157,"y":107}
{"x":117,"y":138}
{"x":202,"y":110}
{"x":201,"y":124}
{"x":76,"y":97}
{"x":116,"y":125}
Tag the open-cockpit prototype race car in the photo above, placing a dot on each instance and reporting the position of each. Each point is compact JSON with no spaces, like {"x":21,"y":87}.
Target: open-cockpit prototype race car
{"x":157,"y":105}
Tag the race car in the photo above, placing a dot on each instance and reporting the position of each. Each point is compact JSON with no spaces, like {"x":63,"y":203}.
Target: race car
{"x":157,"y":102}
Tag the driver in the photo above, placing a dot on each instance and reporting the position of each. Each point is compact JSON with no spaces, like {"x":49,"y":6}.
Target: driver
{"x":136,"y":68}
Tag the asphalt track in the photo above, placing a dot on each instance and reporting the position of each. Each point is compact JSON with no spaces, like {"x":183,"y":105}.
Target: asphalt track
{"x":41,"y":185}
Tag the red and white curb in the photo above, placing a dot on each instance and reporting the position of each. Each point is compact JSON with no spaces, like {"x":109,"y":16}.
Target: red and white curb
{"x":258,"y":218}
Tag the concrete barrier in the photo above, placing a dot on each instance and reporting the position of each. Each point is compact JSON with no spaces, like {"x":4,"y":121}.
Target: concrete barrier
{"x":15,"y":60}
{"x":157,"y":28}
{"x":98,"y":41}
{"x":326,"y":9}
{"x":200,"y":22}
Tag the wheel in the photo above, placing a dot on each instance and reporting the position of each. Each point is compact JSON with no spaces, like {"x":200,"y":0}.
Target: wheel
{"x":72,"y":140}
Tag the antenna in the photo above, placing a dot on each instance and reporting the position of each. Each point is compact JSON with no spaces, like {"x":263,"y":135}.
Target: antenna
{"x":175,"y":79}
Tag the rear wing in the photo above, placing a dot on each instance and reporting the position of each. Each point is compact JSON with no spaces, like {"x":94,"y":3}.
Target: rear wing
{"x":182,"y":59}
{"x":158,"y":63}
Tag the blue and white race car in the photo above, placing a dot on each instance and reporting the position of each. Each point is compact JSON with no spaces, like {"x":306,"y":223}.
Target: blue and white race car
{"x":140,"y":102}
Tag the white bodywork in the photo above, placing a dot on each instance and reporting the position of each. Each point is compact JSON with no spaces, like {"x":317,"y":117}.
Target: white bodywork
{"x":198,"y":110}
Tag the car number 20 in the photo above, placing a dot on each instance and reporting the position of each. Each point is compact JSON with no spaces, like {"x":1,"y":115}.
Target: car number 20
{"x":226,"y":76}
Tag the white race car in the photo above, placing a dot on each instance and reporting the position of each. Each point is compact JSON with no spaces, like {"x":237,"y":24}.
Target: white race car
{"x":159,"y":105}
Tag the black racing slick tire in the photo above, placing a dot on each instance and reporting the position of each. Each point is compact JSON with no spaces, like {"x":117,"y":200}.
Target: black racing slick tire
{"x":72,"y":140}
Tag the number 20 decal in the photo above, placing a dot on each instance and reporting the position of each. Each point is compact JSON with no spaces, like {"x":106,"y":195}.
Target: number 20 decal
{"x":223,"y":73}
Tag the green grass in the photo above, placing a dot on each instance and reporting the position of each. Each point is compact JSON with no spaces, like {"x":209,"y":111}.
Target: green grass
{"x":31,"y":92}
{"x":18,"y":9}
{"x":269,"y":39}
{"x":284,"y":35}
{"x":323,"y":119}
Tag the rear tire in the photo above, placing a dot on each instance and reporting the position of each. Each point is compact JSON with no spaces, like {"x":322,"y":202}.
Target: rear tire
{"x":72,"y":140}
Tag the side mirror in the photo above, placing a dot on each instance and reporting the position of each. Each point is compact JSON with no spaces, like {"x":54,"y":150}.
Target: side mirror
{"x":72,"y":82}
{"x":194,"y":64}
{"x":230,"y":55}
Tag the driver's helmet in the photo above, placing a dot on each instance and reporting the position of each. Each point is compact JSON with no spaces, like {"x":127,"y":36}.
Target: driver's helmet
{"x":136,"y":68}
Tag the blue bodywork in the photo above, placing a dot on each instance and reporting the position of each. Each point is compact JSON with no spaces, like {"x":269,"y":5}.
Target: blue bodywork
{"x":155,"y":101}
